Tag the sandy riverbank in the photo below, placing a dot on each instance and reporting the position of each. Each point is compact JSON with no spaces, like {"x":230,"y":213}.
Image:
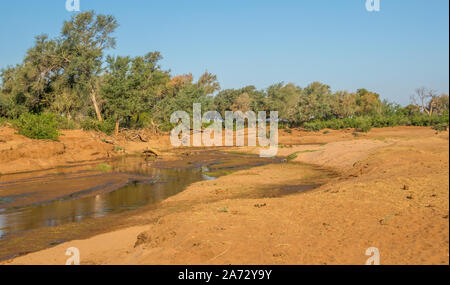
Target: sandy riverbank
{"x":74,"y":147}
{"x":392,"y":193}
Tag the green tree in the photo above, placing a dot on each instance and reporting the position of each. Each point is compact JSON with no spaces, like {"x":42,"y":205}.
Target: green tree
{"x":284,"y":99}
{"x":344,"y":104}
{"x":208,"y":82}
{"x":315,"y":102}
{"x":225,"y":99}
{"x":132,"y":86}
{"x":184,"y":93}
{"x":61,"y":74}
{"x":441,"y":104}
{"x":242,"y":103}
{"x":369,"y":103}
{"x":83,"y":40}
{"x":29,"y":86}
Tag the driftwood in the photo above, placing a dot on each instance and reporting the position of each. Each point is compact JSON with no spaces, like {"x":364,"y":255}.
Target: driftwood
{"x":134,"y":135}
{"x":150,"y":153}
{"x":140,"y":138}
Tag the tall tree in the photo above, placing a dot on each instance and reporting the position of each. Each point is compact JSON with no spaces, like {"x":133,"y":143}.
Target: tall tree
{"x":225,"y":99}
{"x":344,"y":104}
{"x":118,"y":89}
{"x":29,"y":86}
{"x":284,"y":99}
{"x":132,"y":86}
{"x":242,"y":103}
{"x":315,"y":102}
{"x":209,"y":83}
{"x":369,"y":103}
{"x":83,"y":40}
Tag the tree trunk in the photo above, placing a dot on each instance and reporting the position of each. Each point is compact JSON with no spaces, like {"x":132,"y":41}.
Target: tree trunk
{"x":97,"y":109}
{"x":116,"y":129}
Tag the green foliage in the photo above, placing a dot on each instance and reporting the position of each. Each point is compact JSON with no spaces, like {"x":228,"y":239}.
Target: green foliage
{"x":69,"y":76}
{"x":3,"y":121}
{"x":234,"y":99}
{"x":283,"y":125}
{"x":292,"y":156}
{"x":103,"y":167}
{"x":64,"y":123}
{"x":106,"y":127}
{"x":60,"y":75}
{"x":315,"y":103}
{"x":42,"y":126}
{"x":139,"y":121}
{"x":119,"y":148}
{"x":166,"y":126}
{"x":364,"y":124}
{"x":284,"y":99}
{"x":441,"y":127}
{"x":131,"y":87}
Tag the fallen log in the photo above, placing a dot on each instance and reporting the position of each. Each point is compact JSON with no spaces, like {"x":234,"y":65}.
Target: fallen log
{"x":150,"y":153}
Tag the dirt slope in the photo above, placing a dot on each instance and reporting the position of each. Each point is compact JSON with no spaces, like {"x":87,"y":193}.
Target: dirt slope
{"x":20,"y":154}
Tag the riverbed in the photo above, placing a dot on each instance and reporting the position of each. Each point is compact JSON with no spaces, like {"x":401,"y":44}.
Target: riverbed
{"x":54,"y":198}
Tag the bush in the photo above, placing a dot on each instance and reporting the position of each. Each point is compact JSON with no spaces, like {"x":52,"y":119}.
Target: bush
{"x":365,"y":124}
{"x":313,"y":126}
{"x":42,"y":126}
{"x":166,"y":126}
{"x":142,"y":120}
{"x":440,"y":127}
{"x":365,"y":127}
{"x":103,"y":167}
{"x":106,"y":127}
{"x":66,"y":124}
{"x":283,"y":125}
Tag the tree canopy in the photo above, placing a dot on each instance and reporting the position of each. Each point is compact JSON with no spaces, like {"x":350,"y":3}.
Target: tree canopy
{"x":71,"y":76}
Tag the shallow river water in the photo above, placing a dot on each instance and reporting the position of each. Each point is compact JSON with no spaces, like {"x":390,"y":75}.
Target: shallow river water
{"x":98,"y":195}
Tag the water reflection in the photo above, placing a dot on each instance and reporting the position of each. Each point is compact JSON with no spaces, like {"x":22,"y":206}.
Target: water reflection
{"x":157,"y":186}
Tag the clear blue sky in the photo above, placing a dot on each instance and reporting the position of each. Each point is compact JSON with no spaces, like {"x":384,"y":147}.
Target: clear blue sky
{"x":260,"y":42}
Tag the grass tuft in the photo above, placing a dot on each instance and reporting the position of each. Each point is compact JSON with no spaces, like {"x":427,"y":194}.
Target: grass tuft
{"x":103,"y":167}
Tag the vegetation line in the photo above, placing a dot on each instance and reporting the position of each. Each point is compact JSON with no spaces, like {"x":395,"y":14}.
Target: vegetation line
{"x":68,"y":82}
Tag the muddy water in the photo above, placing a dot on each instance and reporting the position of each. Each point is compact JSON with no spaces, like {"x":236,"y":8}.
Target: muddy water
{"x":62,"y":196}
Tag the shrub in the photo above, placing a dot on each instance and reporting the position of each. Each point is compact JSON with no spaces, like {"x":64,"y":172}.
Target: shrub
{"x":440,"y":127}
{"x":2,"y":122}
{"x":66,"y":124}
{"x":42,"y":126}
{"x":166,"y":126}
{"x":283,"y":125}
{"x":365,"y":127}
{"x":313,"y":126}
{"x":106,"y":127}
{"x":142,"y":120}
{"x":90,"y":125}
{"x":103,"y":167}
{"x":365,"y":124}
